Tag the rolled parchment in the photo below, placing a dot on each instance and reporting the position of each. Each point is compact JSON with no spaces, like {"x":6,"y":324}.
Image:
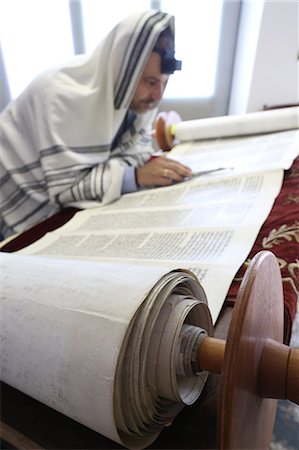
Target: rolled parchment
{"x":100,"y":342}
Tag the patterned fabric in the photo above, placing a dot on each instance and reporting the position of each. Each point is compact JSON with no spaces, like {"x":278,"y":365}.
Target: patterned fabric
{"x":56,"y":137}
{"x":280,"y":235}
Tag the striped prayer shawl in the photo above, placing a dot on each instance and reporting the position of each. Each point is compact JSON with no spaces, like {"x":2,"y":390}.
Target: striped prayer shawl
{"x":55,"y":138}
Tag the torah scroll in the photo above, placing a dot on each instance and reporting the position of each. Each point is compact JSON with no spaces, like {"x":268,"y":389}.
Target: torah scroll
{"x":100,"y":342}
{"x":260,"y":122}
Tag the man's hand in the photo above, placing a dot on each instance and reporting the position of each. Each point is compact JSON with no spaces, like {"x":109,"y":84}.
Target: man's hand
{"x":161,"y":171}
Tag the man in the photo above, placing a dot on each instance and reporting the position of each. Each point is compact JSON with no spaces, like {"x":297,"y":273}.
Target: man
{"x":80,"y":134}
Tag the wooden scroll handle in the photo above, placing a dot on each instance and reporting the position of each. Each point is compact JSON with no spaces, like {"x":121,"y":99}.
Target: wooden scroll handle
{"x":163,"y":134}
{"x":278,"y":372}
{"x":255,"y":367}
{"x":253,"y":355}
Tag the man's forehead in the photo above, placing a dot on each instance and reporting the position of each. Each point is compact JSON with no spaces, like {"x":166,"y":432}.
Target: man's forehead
{"x":153,"y":67}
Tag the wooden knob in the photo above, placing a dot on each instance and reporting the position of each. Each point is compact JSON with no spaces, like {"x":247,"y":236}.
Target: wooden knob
{"x":163,"y":134}
{"x":278,"y":371}
{"x":255,"y":367}
{"x":246,"y":418}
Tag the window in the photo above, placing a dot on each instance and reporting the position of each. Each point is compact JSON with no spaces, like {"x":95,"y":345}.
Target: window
{"x":37,"y":34}
{"x":197,"y":42}
{"x":98,"y":20}
{"x":205,"y":40}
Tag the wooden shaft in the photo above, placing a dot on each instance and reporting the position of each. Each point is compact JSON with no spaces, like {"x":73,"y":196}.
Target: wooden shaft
{"x":211,"y":354}
{"x":278,"y":373}
{"x":293,"y":376}
{"x":17,"y":439}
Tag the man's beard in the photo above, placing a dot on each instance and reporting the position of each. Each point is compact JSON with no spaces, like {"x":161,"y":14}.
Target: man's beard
{"x":144,"y":105}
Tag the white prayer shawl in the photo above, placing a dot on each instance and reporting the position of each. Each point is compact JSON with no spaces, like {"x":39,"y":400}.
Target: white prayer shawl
{"x":56,"y":137}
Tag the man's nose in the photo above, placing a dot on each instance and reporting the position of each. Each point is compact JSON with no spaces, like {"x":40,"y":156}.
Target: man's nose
{"x":157,"y":92}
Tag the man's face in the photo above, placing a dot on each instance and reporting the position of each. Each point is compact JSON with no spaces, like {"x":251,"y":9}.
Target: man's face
{"x":151,"y":86}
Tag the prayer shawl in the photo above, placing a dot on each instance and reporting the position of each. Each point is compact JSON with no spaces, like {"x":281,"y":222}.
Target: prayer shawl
{"x":56,"y":137}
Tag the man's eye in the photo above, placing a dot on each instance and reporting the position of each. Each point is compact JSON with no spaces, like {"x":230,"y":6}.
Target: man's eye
{"x":152,"y":82}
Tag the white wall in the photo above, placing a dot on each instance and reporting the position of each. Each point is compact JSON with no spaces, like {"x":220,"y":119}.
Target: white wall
{"x":266,"y":63}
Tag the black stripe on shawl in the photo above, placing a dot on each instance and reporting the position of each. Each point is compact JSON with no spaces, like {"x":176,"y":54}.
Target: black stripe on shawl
{"x":31,"y":213}
{"x":59,"y":149}
{"x":5,"y":179}
{"x":15,"y":198}
{"x":86,"y":188}
{"x":70,"y":171}
{"x":99,"y":174}
{"x":22,"y":169}
{"x":26,"y":185}
{"x":21,"y":193}
{"x":19,"y":196}
{"x":72,"y":189}
{"x":140,"y":42}
{"x":67,"y":172}
{"x":102,"y":178}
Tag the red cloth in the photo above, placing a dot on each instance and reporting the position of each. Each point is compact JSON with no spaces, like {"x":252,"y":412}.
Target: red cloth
{"x":38,"y":231}
{"x":280,"y":235}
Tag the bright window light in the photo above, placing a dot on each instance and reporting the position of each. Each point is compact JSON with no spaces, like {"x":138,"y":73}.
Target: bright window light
{"x":35,"y":35}
{"x":100,"y":17}
{"x":197,"y":28}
